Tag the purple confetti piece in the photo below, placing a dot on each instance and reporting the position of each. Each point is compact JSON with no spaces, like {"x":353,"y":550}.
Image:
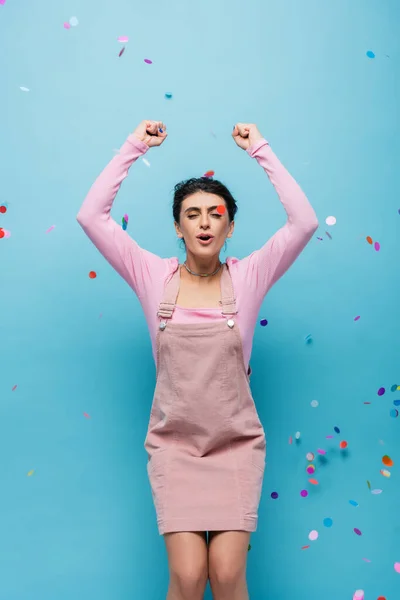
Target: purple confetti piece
{"x":381,"y":391}
{"x":356,"y":318}
{"x":357,"y":531}
{"x":377,"y":246}
{"x":148,"y":61}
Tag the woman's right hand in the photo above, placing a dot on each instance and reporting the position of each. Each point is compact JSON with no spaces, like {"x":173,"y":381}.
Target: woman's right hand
{"x":152,"y":133}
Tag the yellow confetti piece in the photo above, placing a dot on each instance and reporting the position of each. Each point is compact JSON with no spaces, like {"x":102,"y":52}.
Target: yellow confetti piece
{"x":385,"y":472}
{"x":31,"y":473}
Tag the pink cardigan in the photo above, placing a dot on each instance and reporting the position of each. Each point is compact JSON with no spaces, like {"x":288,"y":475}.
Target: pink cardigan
{"x":146,"y":273}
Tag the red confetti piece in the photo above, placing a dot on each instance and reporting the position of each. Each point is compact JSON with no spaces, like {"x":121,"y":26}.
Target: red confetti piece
{"x":3,"y":209}
{"x":209,"y":174}
{"x":290,"y":440}
{"x":343,"y":444}
{"x":2,"y":234}
{"x":92,"y":275}
{"x":313,"y":481}
{"x":387,"y":461}
{"x":14,"y":388}
{"x":304,"y":547}
{"x":86,"y":415}
{"x":221,"y":209}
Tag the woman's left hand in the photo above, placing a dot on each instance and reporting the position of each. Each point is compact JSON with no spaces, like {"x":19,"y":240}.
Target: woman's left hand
{"x":246,"y":134}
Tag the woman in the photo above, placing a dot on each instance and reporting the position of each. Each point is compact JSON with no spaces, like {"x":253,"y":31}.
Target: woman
{"x":205,"y":443}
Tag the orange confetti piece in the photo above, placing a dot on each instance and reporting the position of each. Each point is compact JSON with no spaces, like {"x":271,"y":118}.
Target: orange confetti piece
{"x":343,"y":444}
{"x":369,"y":240}
{"x":304,"y":547}
{"x":209,"y":174}
{"x":313,"y":481}
{"x":387,"y":461}
{"x":221,"y":209}
{"x":92,"y":275}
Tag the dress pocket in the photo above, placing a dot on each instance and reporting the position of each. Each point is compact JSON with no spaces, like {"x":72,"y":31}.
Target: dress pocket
{"x":156,"y":468}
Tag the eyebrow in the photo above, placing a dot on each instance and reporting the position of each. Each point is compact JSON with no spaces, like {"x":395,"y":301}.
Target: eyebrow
{"x":197,"y":208}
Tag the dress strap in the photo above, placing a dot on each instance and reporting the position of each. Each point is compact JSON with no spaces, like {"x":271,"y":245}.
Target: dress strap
{"x":171,"y":290}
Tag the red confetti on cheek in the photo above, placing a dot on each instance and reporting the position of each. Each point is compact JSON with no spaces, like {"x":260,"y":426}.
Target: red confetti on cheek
{"x":221,"y":209}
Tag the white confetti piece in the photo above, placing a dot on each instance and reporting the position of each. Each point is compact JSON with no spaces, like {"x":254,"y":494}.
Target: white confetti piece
{"x":330,"y":221}
{"x":73,"y":22}
{"x":146,"y":162}
{"x":24,"y":89}
{"x":314,"y":403}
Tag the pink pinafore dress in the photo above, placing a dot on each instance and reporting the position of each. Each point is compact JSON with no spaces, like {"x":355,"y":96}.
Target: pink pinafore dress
{"x":205,"y":442}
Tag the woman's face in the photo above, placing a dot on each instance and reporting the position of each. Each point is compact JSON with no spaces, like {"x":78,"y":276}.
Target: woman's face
{"x":199,"y":215}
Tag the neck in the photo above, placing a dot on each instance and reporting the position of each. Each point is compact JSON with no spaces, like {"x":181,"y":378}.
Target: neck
{"x":201,"y":267}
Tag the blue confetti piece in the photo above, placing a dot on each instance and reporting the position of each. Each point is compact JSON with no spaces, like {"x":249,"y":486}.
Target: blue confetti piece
{"x":370,"y":54}
{"x":353,"y":502}
{"x":328,"y":522}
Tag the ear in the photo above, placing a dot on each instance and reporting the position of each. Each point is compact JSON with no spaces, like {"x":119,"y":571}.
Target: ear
{"x":231,"y":228}
{"x":177,"y":229}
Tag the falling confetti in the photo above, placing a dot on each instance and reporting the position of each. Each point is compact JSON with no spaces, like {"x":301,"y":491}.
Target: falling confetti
{"x":24,"y":89}
{"x":357,"y":531}
{"x":376,"y":492}
{"x":297,"y":435}
{"x":2,"y":2}
{"x":358,"y":595}
{"x":67,"y":26}
{"x":31,"y":473}
{"x":357,"y":318}
{"x":274,"y":495}
{"x":387,"y":461}
{"x":381,"y":391}
{"x":385,"y":472}
{"x":394,"y":413}
{"x":263,"y":322}
{"x":377,"y":246}
{"x":122,"y":51}
{"x":328,"y":522}
{"x":86,"y":415}
{"x":50,"y":229}
{"x":313,"y":535}
{"x":369,"y":485}
{"x":310,"y":456}
{"x":146,"y":162}
{"x":337,"y":429}
{"x":328,"y":234}
{"x":369,"y":240}
{"x":148,"y":61}
{"x":92,"y":275}
{"x":330,"y":220}
{"x":310,"y":469}
{"x":304,"y":493}
{"x":168,"y":95}
{"x":308,"y":339}
{"x":123,"y":38}
{"x":73,"y":22}
{"x":313,"y":481}
{"x":321,"y":451}
{"x":3,"y":209}
{"x":397,"y":567}
{"x":304,"y":547}
{"x":353,"y":503}
{"x":343,"y":444}
{"x":314,"y":403}
{"x":14,"y":388}
{"x":370,"y":54}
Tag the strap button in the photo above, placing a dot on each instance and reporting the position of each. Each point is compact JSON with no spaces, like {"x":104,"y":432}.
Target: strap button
{"x":163,"y":325}
{"x":231,"y":323}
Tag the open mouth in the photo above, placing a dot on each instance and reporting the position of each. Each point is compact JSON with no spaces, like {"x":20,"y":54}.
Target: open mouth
{"x":205,"y":239}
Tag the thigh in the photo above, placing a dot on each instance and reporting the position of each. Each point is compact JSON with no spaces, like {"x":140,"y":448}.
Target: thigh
{"x":227,"y":553}
{"x":187,"y":554}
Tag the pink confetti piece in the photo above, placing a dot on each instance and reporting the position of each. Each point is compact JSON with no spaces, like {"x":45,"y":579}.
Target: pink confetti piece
{"x":86,"y":415}
{"x":357,"y":531}
{"x":356,"y":318}
{"x":377,"y":246}
{"x":148,"y":61}
{"x":397,"y":567}
{"x":376,"y":492}
{"x":320,"y":451}
{"x":67,"y":26}
{"x":126,"y":217}
{"x":123,"y":39}
{"x":50,"y":229}
{"x":14,"y":388}
{"x":329,"y":437}
{"x":2,"y":2}
{"x":290,"y":440}
{"x":367,"y":560}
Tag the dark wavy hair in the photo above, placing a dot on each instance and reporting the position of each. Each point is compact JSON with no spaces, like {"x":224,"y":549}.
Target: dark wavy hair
{"x":202,"y":184}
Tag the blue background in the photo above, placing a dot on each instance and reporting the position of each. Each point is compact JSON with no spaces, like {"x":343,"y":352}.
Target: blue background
{"x":83,"y":525}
